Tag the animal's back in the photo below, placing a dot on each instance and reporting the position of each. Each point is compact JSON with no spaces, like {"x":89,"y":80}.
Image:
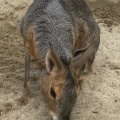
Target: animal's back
{"x":56,"y":21}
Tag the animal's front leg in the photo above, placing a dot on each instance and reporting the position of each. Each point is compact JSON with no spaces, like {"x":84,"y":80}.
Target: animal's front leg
{"x":26,"y":88}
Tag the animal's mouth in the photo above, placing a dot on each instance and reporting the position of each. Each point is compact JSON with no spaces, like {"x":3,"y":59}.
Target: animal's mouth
{"x":54,"y":117}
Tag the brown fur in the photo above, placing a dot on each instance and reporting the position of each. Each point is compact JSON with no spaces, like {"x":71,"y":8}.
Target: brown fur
{"x":81,"y":38}
{"x":56,"y":81}
{"x":31,"y":46}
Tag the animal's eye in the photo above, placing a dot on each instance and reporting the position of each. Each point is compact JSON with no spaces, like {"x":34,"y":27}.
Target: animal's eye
{"x":83,"y":68}
{"x":52,"y":92}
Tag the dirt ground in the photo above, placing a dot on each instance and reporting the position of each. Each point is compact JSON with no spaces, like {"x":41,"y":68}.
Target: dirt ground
{"x":99,"y":98}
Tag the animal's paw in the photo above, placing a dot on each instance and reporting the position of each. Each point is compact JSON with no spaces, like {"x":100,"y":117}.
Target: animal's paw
{"x":24,"y":99}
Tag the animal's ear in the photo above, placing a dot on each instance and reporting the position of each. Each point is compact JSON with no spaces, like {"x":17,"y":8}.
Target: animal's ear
{"x":53,"y":62}
{"x":81,"y":56}
{"x":80,"y":52}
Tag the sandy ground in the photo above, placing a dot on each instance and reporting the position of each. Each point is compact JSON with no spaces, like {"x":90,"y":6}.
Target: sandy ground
{"x":99,"y":98}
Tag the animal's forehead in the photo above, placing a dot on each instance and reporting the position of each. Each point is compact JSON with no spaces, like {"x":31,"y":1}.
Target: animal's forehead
{"x":63,"y":77}
{"x":57,"y":78}
{"x":69,"y":74}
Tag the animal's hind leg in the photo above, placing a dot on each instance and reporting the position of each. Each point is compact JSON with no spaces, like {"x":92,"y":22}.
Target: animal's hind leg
{"x":26,"y":89}
{"x":90,"y":62}
{"x":87,"y":68}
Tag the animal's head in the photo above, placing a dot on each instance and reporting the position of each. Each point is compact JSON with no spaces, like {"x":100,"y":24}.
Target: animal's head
{"x":61,"y":84}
